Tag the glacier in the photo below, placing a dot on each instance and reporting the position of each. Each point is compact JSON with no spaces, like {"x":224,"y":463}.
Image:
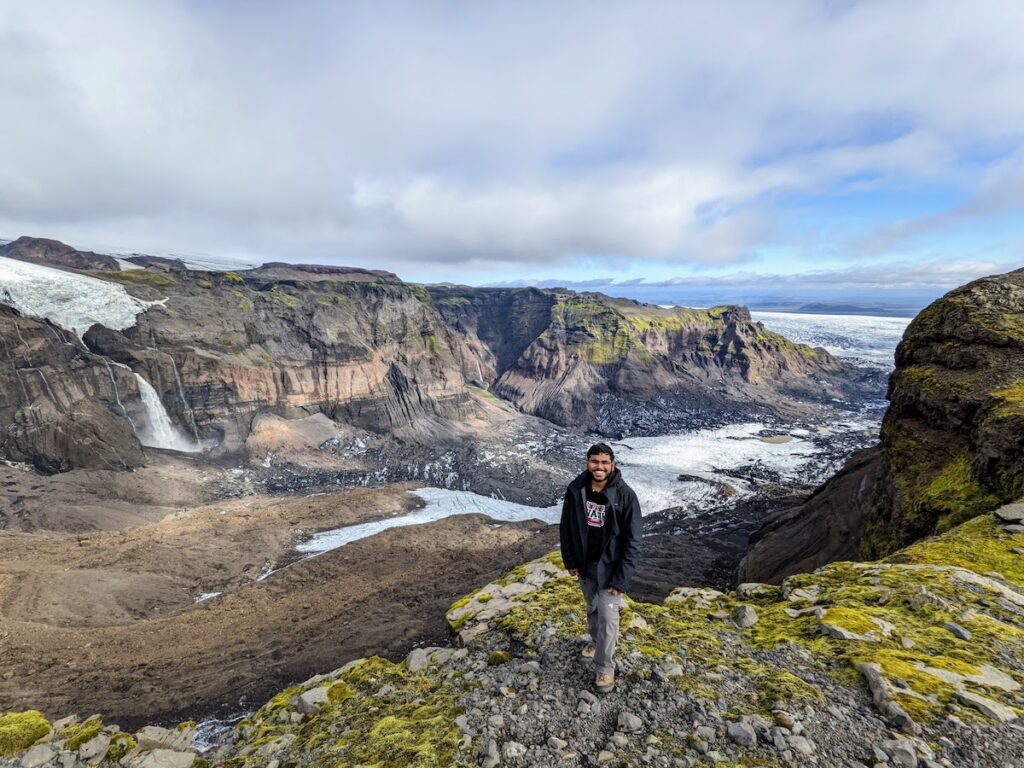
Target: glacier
{"x":72,"y":301}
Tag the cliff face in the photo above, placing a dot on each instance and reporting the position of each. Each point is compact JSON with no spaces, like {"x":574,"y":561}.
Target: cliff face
{"x":952,"y":442}
{"x":619,"y":366}
{"x":224,"y":347}
{"x":953,"y":437}
{"x":363,"y":348}
{"x":59,"y":404}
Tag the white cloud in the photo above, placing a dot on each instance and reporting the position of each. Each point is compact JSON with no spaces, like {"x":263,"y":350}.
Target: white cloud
{"x":494,"y":134}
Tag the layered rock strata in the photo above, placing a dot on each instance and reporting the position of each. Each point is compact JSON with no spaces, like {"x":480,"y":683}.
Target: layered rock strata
{"x":622,"y":367}
{"x":365,"y":349}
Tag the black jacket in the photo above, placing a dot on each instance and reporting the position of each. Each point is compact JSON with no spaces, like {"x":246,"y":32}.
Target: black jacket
{"x":623,"y":529}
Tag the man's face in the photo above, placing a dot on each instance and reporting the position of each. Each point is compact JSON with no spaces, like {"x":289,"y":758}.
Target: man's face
{"x":601,"y":466}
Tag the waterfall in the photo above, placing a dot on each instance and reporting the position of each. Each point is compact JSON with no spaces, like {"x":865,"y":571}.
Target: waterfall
{"x":117,"y":397}
{"x":161,"y":432}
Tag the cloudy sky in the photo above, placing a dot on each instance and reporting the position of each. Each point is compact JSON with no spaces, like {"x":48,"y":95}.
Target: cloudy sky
{"x":855,"y":150}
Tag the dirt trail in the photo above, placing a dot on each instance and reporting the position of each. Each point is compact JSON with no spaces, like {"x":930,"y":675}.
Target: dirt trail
{"x":107,"y":622}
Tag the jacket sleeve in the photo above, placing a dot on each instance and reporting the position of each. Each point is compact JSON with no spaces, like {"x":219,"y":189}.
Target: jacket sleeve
{"x":565,"y":534}
{"x":632,"y":541}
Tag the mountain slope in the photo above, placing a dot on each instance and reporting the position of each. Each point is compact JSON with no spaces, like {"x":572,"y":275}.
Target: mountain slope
{"x":222,"y":349}
{"x":621,"y":367}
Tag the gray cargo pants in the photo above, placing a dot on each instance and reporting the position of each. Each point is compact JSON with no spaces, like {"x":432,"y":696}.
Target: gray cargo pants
{"x":602,"y":620}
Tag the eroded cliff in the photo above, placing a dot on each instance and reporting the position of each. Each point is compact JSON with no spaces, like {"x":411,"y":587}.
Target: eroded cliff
{"x":622,"y":367}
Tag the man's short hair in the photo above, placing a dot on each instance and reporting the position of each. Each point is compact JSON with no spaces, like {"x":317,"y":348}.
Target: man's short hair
{"x":599,"y":448}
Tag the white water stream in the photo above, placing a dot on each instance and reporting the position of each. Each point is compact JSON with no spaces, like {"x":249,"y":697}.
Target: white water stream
{"x":160,"y":431}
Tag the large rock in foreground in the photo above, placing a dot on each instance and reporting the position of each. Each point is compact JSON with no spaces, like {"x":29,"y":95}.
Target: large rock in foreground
{"x":952,"y":443}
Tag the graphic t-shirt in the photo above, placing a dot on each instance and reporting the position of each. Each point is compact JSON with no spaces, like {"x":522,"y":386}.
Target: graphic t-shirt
{"x":597,"y":504}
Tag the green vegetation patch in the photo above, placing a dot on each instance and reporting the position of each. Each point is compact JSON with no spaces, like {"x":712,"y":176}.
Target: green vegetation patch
{"x":956,"y":495}
{"x":75,"y":736}
{"x":20,"y":730}
{"x":981,"y":545}
{"x":244,"y":302}
{"x":379,"y":715}
{"x":120,"y":745}
{"x":134,"y":277}
{"x":282,"y":296}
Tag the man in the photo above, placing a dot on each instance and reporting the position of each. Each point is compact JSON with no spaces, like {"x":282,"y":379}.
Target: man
{"x":600,"y":536}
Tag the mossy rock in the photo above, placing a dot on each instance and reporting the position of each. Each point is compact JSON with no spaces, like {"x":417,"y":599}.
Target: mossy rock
{"x":20,"y":730}
{"x":75,"y":736}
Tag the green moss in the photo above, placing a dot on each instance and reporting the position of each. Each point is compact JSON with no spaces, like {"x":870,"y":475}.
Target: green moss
{"x":483,"y":597}
{"x":134,"y":277}
{"x":282,"y":296}
{"x":379,"y":714}
{"x":234,"y":277}
{"x":244,"y":302}
{"x":980,"y":545}
{"x":1011,"y":400}
{"x":338,"y":692}
{"x":76,"y":735}
{"x":20,"y":730}
{"x":851,"y":620}
{"x":420,"y":292}
{"x":120,"y":745}
{"x":498,"y":657}
{"x":956,"y":495}
{"x":462,"y":602}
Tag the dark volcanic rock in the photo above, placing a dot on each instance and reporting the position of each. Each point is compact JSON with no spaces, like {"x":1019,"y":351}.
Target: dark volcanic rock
{"x":952,"y":439}
{"x":825,"y":527}
{"x":53,"y":253}
{"x":59,"y":403}
{"x":954,"y":432}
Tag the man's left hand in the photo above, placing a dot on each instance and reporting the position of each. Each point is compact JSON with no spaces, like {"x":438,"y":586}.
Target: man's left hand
{"x":614,"y":592}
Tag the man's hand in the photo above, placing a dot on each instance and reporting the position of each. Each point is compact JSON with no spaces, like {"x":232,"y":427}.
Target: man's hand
{"x":574,"y":573}
{"x":614,"y":592}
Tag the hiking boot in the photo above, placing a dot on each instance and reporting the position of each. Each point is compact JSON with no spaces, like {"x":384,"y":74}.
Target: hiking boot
{"x":604,"y":682}
{"x":588,"y":651}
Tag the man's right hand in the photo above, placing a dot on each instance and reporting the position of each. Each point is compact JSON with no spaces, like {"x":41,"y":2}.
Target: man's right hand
{"x":574,"y":573}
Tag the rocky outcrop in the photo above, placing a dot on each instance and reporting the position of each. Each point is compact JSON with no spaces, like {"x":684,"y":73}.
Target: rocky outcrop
{"x":53,"y":253}
{"x":622,"y":367}
{"x":61,"y":406}
{"x":914,"y":660}
{"x":222,"y":348}
{"x":952,"y":441}
{"x":746,"y":678}
{"x":953,"y":436}
{"x":825,"y":527}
